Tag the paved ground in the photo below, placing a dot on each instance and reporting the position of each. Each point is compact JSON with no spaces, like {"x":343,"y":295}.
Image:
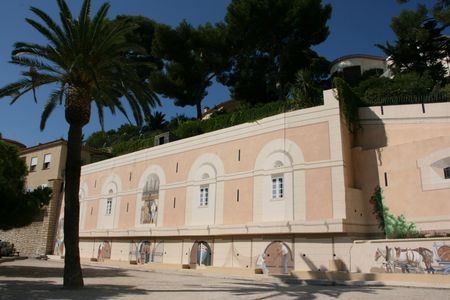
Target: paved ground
{"x":36,"y":279}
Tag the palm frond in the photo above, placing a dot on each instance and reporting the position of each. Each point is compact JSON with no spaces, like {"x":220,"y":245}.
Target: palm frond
{"x":29,"y":62}
{"x":44,"y":31}
{"x":84,"y":17}
{"x":101,"y":118}
{"x":14,"y":88}
{"x":52,"y":102}
{"x":98,"y":21}
{"x":50,"y":23}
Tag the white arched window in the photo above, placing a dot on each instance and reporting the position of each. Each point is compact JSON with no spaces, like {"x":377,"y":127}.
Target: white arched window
{"x":204,"y":195}
{"x":109,"y":202}
{"x":274,"y":187}
{"x":108,"y":214}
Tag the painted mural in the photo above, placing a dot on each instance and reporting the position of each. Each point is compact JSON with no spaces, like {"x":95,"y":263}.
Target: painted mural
{"x":104,"y":251}
{"x":414,"y":260}
{"x":149,"y":212}
{"x":278,"y":258}
{"x":144,"y":252}
{"x":59,"y":240}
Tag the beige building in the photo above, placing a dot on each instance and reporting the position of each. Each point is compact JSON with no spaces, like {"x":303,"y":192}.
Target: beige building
{"x":291,"y":190}
{"x":46,"y":163}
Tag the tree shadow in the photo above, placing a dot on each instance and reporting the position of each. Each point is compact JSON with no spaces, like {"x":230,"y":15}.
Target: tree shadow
{"x":295,"y":289}
{"x":52,"y":290}
{"x":45,"y":272}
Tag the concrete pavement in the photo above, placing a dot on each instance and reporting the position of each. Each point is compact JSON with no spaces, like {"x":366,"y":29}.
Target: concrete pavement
{"x":37,"y":279}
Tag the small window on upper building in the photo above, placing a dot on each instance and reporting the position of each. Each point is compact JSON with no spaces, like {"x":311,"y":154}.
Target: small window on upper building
{"x":33,"y":164}
{"x":47,"y":160}
{"x":277,"y":187}
{"x":447,"y":173}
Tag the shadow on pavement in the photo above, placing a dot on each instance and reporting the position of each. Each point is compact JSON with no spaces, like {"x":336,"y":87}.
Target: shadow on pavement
{"x":296,"y":290}
{"x":45,"y":272}
{"x":50,"y":290}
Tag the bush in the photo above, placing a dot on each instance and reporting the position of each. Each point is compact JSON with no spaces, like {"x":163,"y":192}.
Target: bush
{"x":393,"y":227}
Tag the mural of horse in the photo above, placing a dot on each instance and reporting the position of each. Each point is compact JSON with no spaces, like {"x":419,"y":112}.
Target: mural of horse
{"x":405,"y":259}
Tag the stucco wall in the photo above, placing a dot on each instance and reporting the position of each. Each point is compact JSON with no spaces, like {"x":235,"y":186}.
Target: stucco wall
{"x":394,"y":150}
{"x":303,"y":146}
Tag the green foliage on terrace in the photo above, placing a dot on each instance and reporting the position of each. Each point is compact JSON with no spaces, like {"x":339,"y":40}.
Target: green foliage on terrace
{"x":129,"y":138}
{"x":243,"y":115}
{"x":406,"y":88}
{"x":349,"y":103}
{"x":393,"y":227}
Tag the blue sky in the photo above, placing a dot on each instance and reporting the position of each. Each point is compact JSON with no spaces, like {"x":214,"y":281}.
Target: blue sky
{"x":356,"y":26}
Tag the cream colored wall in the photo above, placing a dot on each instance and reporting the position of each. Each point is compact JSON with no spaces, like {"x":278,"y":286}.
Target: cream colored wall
{"x":127,"y":208}
{"x":41,"y":176}
{"x":304,"y":140}
{"x":319,"y":194}
{"x":173,"y":252}
{"x":238,"y":212}
{"x":396,"y":142}
{"x":174,"y":216}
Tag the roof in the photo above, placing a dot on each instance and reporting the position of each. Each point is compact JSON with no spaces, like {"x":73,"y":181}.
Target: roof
{"x":350,"y":56}
{"x":63,"y":142}
{"x":44,"y":146}
{"x":14,"y":143}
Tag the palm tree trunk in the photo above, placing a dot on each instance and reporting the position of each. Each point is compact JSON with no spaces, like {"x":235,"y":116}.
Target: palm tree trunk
{"x":73,"y":277}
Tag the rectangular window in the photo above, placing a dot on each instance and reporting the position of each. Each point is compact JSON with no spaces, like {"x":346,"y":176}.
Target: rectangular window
{"x":47,"y":160}
{"x":108,"y":206}
{"x":277,"y":187}
{"x":204,"y":196}
{"x":34,"y":162}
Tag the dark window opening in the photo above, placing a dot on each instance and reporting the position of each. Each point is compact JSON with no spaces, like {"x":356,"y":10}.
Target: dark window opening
{"x":447,"y":173}
{"x":174,"y":201}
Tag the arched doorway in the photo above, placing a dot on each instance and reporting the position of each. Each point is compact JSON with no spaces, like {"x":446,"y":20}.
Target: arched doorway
{"x":200,"y":255}
{"x":278,"y":258}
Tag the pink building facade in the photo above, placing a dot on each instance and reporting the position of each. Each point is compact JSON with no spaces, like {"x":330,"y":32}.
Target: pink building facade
{"x":291,"y":190}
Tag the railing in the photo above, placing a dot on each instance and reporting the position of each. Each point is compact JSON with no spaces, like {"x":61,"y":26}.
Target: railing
{"x":407,"y":99}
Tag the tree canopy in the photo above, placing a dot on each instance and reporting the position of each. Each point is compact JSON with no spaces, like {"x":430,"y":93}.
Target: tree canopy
{"x":270,"y":41}
{"x":192,"y":58}
{"x":421,"y":45}
{"x":18,"y":207}
{"x":86,"y":59}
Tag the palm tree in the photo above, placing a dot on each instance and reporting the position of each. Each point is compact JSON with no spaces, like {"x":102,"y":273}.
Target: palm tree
{"x":86,"y":62}
{"x":156,"y":121}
